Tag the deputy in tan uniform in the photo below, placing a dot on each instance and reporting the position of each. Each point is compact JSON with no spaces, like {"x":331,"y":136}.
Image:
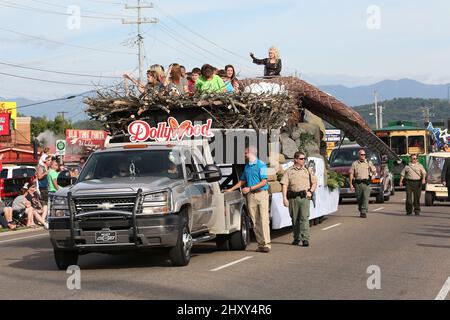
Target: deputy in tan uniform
{"x":299,"y":185}
{"x":415,"y":175}
{"x":360,"y":175}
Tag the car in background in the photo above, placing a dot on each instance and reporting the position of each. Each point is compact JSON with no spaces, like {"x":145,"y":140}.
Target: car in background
{"x":434,"y":189}
{"x":382,"y":185}
{"x":12,"y":179}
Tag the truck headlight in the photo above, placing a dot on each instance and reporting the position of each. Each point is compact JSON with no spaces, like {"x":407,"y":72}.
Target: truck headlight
{"x":156,"y":203}
{"x":59,"y":207}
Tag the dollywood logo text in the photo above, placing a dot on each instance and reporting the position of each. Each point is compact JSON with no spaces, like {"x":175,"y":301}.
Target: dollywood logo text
{"x":141,"y":131}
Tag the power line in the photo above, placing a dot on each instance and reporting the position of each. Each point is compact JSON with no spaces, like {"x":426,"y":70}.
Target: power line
{"x":64,"y":43}
{"x":34,"y":9}
{"x":58,"y":72}
{"x":158,"y":8}
{"x":84,"y":10}
{"x":44,"y":80}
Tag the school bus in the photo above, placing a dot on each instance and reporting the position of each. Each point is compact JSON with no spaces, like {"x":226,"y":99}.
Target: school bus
{"x":406,"y":138}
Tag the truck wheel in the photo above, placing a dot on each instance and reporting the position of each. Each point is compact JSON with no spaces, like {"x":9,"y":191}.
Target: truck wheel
{"x":387,"y":198}
{"x":379,"y":198}
{"x":240,"y":239}
{"x":64,"y":258}
{"x":429,"y":199}
{"x":180,"y":255}
{"x":223,"y":242}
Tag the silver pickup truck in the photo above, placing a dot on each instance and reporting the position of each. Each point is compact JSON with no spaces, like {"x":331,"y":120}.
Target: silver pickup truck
{"x":143,"y":196}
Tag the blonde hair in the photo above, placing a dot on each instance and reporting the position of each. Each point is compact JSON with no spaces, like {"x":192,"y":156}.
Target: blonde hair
{"x":275,"y":51}
{"x":159,"y":71}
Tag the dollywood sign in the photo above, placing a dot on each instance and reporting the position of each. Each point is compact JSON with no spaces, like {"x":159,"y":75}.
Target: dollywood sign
{"x":171,"y":130}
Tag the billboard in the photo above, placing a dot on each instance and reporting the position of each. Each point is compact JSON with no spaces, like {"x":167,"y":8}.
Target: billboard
{"x":5,"y":129}
{"x":86,"y":138}
{"x":11,"y":108}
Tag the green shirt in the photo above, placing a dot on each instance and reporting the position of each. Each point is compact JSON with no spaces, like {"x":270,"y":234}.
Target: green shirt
{"x":52,"y":175}
{"x":216,"y":85}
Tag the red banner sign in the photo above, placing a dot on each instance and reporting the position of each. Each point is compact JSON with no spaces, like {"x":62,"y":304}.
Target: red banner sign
{"x":86,"y":138}
{"x":141,"y":131}
{"x":5,"y":129}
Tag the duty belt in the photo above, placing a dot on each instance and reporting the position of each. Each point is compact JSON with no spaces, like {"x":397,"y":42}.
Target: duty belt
{"x":365,"y":181}
{"x":293,"y":194}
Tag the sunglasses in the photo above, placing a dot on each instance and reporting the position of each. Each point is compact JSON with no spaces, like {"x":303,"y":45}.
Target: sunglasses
{"x":301,"y":158}
{"x":362,"y":154}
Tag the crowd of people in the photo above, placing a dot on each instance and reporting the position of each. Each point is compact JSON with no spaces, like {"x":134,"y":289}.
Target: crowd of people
{"x":29,"y":208}
{"x":207,"y":79}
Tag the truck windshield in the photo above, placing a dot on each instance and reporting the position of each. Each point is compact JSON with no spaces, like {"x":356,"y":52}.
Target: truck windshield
{"x":435,"y":165}
{"x":344,"y":157}
{"x":136,"y":163}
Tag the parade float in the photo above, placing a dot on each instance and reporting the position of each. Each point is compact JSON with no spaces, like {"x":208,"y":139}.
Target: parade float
{"x":280,"y":115}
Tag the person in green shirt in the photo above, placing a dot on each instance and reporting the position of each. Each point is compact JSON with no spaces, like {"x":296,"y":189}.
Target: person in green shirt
{"x":52,"y":177}
{"x":209,"y":82}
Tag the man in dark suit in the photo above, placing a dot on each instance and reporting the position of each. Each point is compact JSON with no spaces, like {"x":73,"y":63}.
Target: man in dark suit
{"x":445,"y":176}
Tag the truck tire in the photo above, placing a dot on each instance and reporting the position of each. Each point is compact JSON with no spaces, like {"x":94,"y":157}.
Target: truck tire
{"x":429,"y":199}
{"x":240,"y":239}
{"x":223,"y":242}
{"x":64,"y":258}
{"x":387,"y":198}
{"x":180,"y":255}
{"x":379,"y":198}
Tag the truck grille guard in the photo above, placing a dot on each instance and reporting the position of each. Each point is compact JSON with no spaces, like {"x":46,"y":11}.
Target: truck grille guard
{"x":73,"y":214}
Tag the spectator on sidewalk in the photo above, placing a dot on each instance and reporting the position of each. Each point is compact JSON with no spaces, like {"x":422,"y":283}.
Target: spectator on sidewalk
{"x":6,"y":215}
{"x":40,"y":210}
{"x":22,"y":209}
{"x":52,"y":177}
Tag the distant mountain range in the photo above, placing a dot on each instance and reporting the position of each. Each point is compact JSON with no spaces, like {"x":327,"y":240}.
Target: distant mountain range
{"x":387,"y":90}
{"x":352,"y":96}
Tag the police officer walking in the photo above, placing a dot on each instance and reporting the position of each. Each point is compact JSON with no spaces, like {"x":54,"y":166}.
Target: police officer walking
{"x":360,"y":179}
{"x":256,"y":189}
{"x":445,"y":176}
{"x":299,"y":184}
{"x":415,"y":175}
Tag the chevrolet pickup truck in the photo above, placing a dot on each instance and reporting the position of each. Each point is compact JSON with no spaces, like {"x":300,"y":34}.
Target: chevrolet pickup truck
{"x":139,"y":196}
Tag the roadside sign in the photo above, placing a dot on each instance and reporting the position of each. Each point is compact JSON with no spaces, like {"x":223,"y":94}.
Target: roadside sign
{"x":333,"y":135}
{"x":61,"y":147}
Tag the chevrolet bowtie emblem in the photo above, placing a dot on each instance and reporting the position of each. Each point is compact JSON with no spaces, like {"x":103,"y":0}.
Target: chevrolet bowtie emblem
{"x":105,"y":206}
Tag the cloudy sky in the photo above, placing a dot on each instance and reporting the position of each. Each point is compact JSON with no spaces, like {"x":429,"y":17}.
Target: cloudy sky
{"x":348,"y":42}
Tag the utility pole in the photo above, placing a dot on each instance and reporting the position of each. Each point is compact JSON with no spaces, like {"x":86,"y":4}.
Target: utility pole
{"x":62,"y":113}
{"x":381,"y":116}
{"x":376,"y":109}
{"x":140,"y":38}
{"x":427,"y":115}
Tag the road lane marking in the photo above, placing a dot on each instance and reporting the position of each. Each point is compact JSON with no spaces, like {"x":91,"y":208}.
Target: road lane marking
{"x":444,"y":291}
{"x":23,"y":238}
{"x":334,"y":225}
{"x":231,"y":263}
{"x":378,"y":209}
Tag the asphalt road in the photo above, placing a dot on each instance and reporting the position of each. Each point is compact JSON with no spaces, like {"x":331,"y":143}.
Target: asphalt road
{"x":411,"y":254}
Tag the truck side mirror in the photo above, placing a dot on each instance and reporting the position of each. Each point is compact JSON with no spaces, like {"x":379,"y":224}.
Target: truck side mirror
{"x":212,"y":173}
{"x":64,"y":179}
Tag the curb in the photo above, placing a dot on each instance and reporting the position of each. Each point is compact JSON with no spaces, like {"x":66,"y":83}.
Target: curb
{"x":11,"y":233}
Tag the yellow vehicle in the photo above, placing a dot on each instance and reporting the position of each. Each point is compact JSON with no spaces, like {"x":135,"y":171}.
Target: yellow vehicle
{"x":405,"y":138}
{"x":435,"y":190}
